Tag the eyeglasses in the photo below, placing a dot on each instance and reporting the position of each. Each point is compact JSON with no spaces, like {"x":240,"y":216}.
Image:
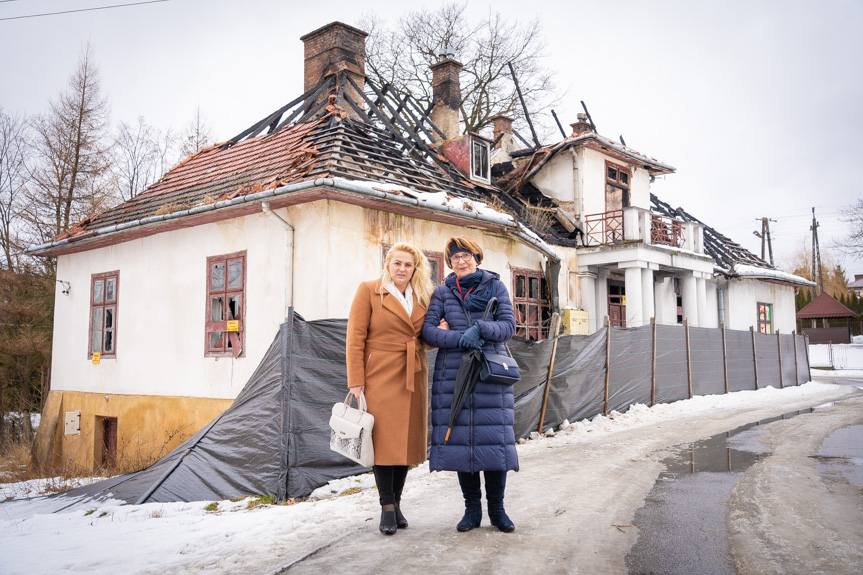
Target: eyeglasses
{"x":462,"y":257}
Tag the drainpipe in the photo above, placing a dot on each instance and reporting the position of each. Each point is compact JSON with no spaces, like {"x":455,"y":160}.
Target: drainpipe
{"x":289,"y":255}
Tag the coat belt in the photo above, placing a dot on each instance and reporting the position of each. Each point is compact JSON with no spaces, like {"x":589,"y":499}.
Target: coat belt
{"x":409,"y":347}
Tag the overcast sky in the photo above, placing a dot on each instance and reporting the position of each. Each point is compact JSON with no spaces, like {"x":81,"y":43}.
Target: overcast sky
{"x":758,"y":104}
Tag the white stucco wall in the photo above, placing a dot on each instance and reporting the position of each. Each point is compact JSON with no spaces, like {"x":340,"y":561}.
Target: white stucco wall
{"x":744,"y":296}
{"x":557,"y":178}
{"x":590,"y":182}
{"x":162,"y":292}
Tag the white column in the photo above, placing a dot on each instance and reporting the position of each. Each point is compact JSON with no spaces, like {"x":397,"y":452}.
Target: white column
{"x":601,"y":297}
{"x":587,"y":299}
{"x":634,"y":311}
{"x":701,"y":290}
{"x":689,"y":288}
{"x":647,"y":295}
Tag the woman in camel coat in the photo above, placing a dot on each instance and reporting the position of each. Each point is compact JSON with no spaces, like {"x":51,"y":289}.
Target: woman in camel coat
{"x":386,"y":361}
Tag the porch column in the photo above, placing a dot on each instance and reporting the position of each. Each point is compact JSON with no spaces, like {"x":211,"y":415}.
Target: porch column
{"x":587,"y":299}
{"x":634,"y":309}
{"x":601,"y":296}
{"x":701,"y":291}
{"x":689,"y":287}
{"x":648,"y":306}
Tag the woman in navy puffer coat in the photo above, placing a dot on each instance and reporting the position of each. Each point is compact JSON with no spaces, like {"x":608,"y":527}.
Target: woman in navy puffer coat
{"x":482,"y":438}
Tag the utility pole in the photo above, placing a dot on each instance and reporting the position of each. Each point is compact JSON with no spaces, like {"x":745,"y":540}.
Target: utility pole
{"x":816,"y":259}
{"x":765,"y":235}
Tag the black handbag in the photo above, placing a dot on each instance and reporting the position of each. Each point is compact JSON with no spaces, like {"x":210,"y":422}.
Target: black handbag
{"x":496,"y":367}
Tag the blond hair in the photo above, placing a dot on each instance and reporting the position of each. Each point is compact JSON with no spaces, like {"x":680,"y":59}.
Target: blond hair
{"x":420,"y":280}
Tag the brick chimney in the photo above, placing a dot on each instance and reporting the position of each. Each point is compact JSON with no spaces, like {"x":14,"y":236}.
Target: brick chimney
{"x":446,"y":96}
{"x":502,"y":125}
{"x":582,"y":126}
{"x":335,"y":49}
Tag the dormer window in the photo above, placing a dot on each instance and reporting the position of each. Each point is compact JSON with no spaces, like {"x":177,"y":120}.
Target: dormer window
{"x":479,"y":159}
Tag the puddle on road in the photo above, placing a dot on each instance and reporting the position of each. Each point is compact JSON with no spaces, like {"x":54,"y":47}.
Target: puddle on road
{"x":682,"y":523}
{"x":841,"y":454}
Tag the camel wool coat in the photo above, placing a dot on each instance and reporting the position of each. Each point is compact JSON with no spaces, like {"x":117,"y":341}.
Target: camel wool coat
{"x":384,"y":352}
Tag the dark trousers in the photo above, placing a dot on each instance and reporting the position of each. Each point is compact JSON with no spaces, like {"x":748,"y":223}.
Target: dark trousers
{"x":390,"y":480}
{"x":495,"y":485}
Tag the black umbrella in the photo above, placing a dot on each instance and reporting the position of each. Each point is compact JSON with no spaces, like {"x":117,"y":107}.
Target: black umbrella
{"x":465,"y":380}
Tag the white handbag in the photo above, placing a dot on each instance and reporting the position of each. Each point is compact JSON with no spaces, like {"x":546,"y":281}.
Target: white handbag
{"x":351,"y":431}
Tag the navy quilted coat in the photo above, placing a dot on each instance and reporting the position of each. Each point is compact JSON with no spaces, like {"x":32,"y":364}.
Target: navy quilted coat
{"x":483,"y":437}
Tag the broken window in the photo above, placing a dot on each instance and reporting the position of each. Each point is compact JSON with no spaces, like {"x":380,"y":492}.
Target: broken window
{"x":224,"y":323}
{"x":616,"y":187}
{"x":103,"y":314}
{"x":479,"y":159}
{"x":765,"y":317}
{"x":531,"y":303}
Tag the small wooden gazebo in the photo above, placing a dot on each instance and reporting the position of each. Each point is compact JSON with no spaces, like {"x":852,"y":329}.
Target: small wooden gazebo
{"x":826,"y":307}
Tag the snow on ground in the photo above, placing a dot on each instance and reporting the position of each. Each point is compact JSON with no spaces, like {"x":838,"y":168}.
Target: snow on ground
{"x":36,"y":487}
{"x":228,"y":537}
{"x":836,"y":373}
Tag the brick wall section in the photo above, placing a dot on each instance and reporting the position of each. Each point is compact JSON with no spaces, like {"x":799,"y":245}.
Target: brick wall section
{"x":502,"y":125}
{"x":337,"y":45}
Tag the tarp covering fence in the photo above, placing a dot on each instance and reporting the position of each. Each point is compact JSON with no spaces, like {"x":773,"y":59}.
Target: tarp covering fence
{"x":274,"y":439}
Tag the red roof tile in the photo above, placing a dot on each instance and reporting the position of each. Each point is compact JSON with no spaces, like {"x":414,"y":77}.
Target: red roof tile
{"x":824,"y":305}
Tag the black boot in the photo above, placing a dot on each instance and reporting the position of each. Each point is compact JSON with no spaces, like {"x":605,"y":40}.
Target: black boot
{"x":495,"y":484}
{"x":470,"y":489}
{"x":400,"y":474}
{"x":388,"y":519}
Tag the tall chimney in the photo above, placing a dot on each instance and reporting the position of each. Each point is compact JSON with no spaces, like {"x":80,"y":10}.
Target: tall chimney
{"x":582,"y":126}
{"x":446,"y":96}
{"x":502,"y":125}
{"x":334,"y":49}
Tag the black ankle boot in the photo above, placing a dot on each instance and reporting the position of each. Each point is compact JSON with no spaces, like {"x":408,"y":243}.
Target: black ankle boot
{"x":388,"y":519}
{"x":470,"y":489}
{"x":495,"y":484}
{"x":401,"y":521}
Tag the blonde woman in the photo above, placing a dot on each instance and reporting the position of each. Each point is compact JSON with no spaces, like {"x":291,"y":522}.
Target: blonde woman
{"x":386,"y":360}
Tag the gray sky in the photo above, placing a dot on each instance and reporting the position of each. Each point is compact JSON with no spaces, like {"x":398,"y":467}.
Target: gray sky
{"x":758,"y":104}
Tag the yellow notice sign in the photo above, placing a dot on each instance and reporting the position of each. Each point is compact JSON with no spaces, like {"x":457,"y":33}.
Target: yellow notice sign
{"x":233,"y":325}
{"x":623,"y":300}
{"x":97,"y":357}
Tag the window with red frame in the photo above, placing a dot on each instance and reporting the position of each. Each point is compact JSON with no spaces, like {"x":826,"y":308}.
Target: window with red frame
{"x":531,"y":303}
{"x":226,"y":300}
{"x":104,"y":296}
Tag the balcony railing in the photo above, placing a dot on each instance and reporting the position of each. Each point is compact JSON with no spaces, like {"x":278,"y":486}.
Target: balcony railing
{"x":604,"y":229}
{"x":666,"y":231}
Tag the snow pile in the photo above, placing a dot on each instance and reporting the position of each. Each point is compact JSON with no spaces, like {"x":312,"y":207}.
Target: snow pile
{"x":744,"y":270}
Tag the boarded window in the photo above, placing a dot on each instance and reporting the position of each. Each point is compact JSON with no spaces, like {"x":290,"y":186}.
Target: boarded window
{"x":104,"y":299}
{"x":225,"y":305}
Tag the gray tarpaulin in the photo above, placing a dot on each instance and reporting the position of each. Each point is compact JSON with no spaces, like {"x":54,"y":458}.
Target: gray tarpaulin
{"x":274,"y":439}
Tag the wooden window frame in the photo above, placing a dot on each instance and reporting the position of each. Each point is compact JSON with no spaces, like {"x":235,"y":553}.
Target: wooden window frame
{"x":103,"y":305}
{"x":237,"y":340}
{"x":537,"y":330}
{"x":485,"y":175}
{"x":617,"y":183}
{"x":765,"y":325}
{"x":435,"y":256}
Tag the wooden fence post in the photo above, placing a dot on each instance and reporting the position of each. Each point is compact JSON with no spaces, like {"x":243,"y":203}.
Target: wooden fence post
{"x":806,"y":347}
{"x":688,"y":356}
{"x":796,"y":367}
{"x":779,"y":345}
{"x":754,"y":355}
{"x":653,"y":369}
{"x":607,"y":363}
{"x":724,"y":356}
{"x":555,"y":327}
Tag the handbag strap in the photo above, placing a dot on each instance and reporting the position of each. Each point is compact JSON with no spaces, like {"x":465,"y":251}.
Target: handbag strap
{"x":361,"y":401}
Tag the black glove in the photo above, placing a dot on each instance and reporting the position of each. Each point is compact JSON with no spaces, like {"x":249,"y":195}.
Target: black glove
{"x":470,"y":339}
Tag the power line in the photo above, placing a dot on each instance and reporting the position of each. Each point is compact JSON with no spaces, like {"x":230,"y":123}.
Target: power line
{"x":80,"y":9}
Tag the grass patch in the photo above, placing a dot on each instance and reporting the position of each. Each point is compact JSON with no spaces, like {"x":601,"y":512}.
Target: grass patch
{"x":157,"y":513}
{"x":211,"y":507}
{"x":103,"y":514}
{"x":260,"y":500}
{"x":90,"y":512}
{"x":350,"y":491}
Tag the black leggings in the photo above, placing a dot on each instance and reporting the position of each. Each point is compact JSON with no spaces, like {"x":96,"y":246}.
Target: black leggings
{"x":390,"y":480}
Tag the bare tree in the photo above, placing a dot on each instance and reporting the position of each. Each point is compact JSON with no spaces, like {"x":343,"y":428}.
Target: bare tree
{"x":800,"y":264}
{"x":140,"y":157}
{"x":13,"y":178}
{"x":401,"y":56}
{"x":71,"y":152}
{"x":852,"y":244}
{"x":196,"y":135}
